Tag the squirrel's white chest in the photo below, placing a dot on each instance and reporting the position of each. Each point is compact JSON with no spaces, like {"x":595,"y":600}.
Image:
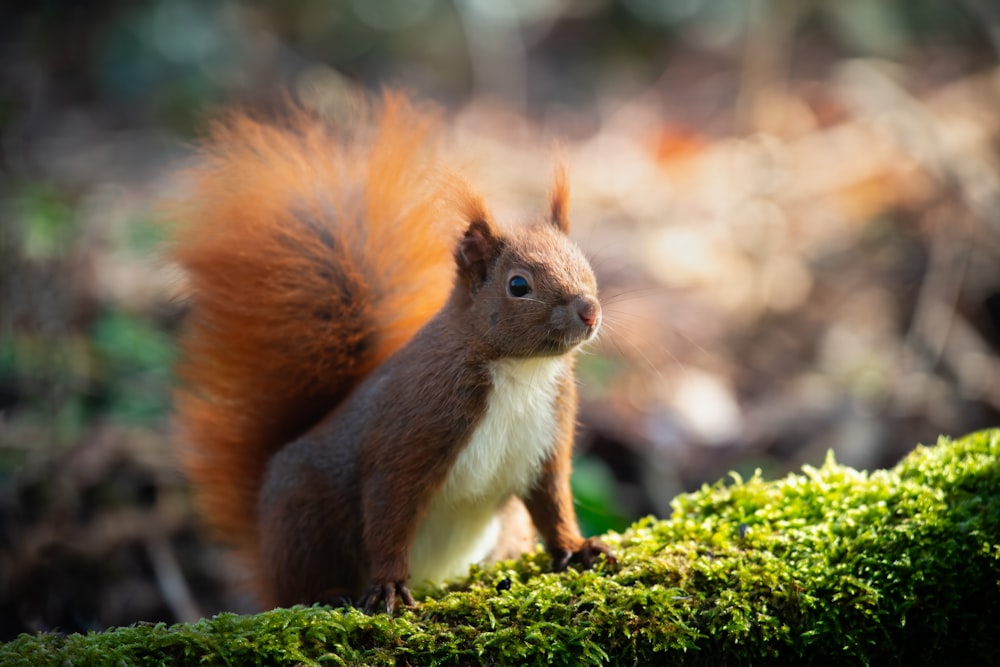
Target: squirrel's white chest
{"x":504,"y":456}
{"x":514,"y":436}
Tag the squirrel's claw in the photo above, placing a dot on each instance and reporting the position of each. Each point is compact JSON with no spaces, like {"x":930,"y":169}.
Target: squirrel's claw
{"x":587,"y":555}
{"x":387,"y":593}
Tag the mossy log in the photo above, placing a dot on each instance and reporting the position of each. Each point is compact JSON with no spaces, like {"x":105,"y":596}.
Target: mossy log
{"x":829,"y":566}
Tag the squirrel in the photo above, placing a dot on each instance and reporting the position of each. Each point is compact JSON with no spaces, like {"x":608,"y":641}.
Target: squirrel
{"x":370,"y":366}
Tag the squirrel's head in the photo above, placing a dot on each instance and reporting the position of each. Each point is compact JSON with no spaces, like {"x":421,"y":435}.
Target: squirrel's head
{"x":530,"y":291}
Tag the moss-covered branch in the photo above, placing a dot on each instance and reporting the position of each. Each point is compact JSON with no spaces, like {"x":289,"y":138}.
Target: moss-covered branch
{"x":827,"y":566}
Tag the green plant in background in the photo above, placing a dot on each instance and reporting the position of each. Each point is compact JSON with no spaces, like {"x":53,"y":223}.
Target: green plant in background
{"x":119,"y":368}
{"x":134,"y":359}
{"x":827,"y":566}
{"x":68,"y":356}
{"x":47,"y":226}
{"x":595,"y":497}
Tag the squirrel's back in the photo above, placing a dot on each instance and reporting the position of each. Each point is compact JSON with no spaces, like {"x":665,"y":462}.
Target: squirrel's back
{"x":312,"y":251}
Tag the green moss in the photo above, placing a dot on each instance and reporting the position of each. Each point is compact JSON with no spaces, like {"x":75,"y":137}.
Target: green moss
{"x":827,"y":566}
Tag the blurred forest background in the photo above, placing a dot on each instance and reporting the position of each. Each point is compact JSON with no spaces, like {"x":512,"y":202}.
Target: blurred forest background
{"x":793,"y":207}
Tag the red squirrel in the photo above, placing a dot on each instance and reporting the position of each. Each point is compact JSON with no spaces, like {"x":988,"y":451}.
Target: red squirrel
{"x":371,"y":367}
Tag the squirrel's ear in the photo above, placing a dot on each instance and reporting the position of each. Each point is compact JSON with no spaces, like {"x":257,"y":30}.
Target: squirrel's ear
{"x":477,"y":251}
{"x":559,"y":200}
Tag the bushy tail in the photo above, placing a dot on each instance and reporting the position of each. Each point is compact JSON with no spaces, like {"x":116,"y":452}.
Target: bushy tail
{"x":312,"y":251}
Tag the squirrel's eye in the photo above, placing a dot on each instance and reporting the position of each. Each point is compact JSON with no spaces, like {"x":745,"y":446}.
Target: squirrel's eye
{"x":518,"y":286}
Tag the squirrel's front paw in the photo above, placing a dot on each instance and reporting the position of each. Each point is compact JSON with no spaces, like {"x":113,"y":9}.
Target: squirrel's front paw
{"x":379,"y":593}
{"x":587,"y":555}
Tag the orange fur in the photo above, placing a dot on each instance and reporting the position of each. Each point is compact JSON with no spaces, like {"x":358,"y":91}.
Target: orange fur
{"x":559,"y":199}
{"x":295,"y":293}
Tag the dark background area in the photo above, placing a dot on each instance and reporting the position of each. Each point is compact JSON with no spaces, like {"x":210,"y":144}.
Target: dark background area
{"x":793,"y":209}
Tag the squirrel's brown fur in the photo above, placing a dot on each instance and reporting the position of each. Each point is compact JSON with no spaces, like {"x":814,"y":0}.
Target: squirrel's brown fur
{"x":313,"y":252}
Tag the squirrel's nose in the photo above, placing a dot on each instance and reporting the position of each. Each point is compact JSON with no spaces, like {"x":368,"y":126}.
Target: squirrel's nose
{"x":588,"y":311}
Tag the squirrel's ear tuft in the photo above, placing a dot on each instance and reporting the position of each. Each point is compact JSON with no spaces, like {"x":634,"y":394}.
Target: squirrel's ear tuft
{"x":559,"y":200}
{"x":476,"y":252}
